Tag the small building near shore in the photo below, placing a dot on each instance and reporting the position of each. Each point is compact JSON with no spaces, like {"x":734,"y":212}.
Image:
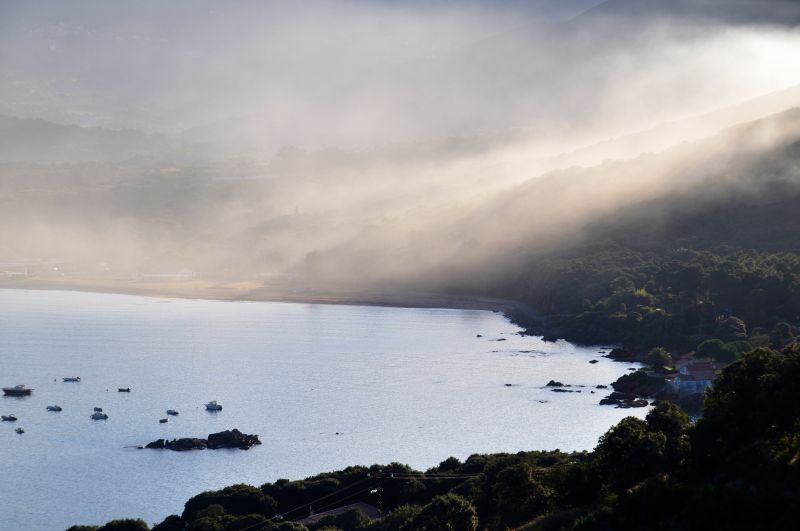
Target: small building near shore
{"x":693,"y":376}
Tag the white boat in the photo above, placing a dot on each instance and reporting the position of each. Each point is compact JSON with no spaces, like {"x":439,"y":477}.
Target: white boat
{"x":9,"y":418}
{"x":213,"y":406}
{"x":53,"y":408}
{"x":98,"y":410}
{"x":99,"y":416}
{"x":172,"y":412}
{"x":17,"y":390}
{"x":20,"y":431}
{"x":72,"y":379}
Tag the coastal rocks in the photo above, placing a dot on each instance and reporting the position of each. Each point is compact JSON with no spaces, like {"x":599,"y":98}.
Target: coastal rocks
{"x":619,"y":354}
{"x":224,"y":439}
{"x":179,"y":445}
{"x":553,"y":383}
{"x":592,"y":361}
{"x":232,"y":439}
{"x":623,"y":400}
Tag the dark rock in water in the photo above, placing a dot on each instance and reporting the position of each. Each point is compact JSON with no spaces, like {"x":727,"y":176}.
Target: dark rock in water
{"x":559,"y":390}
{"x":224,"y":439}
{"x":621,"y":355}
{"x":232,"y":439}
{"x":479,"y":335}
{"x":501,"y":339}
{"x":632,"y":369}
{"x":553,"y":383}
{"x":592,"y":361}
{"x":188,"y":443}
{"x":619,"y":399}
{"x":622,"y":396}
{"x":601,"y":387}
{"x":509,"y":385}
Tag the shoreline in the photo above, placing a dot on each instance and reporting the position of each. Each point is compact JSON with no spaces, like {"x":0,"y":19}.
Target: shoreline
{"x":256,"y":292}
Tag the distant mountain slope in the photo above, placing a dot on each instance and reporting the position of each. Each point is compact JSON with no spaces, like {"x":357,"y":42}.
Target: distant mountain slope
{"x":783,"y":12}
{"x":675,"y":198}
{"x":47,"y":142}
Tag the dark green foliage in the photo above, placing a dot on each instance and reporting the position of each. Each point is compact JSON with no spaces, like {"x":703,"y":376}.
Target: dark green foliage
{"x":402,"y":518}
{"x":352,"y":519}
{"x":447,"y":513}
{"x":629,"y":452}
{"x":171,"y":523}
{"x":658,"y":357}
{"x":783,"y":334}
{"x":236,"y":499}
{"x":125,"y":525}
{"x":716,"y":350}
{"x":638,"y":383}
{"x":517,"y":495}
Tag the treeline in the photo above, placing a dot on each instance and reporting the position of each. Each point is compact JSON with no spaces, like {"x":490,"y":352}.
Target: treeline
{"x":737,"y":468}
{"x":674,"y":299}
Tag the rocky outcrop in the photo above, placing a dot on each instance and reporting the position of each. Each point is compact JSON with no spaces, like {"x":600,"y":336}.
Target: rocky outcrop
{"x":232,"y":439}
{"x":224,"y":439}
{"x":623,"y":400}
{"x":553,"y":383}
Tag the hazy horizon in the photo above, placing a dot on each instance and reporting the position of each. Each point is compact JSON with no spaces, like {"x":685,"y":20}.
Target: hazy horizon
{"x":275,"y":140}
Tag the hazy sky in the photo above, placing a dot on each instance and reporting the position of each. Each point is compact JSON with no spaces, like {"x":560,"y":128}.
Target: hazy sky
{"x":372,"y":131}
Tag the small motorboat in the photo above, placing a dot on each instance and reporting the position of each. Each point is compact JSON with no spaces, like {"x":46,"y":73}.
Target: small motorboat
{"x":124,"y":390}
{"x":163,"y":421}
{"x":98,"y":410}
{"x":72,"y":379}
{"x":53,"y":408}
{"x":9,"y":418}
{"x":99,"y":416}
{"x":213,"y":406}
{"x":172,"y":412}
{"x":20,"y":431}
{"x":17,"y":390}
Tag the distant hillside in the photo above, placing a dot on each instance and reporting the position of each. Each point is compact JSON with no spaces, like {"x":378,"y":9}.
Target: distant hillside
{"x":47,"y":142}
{"x":783,"y":12}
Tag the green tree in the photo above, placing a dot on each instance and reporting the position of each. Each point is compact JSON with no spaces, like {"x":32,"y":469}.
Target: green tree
{"x":519,"y":496}
{"x":171,"y":523}
{"x":731,"y":329}
{"x":716,"y":350}
{"x":670,"y":420}
{"x":783,"y":334}
{"x":629,"y":452}
{"x":125,"y":525}
{"x":449,"y":512}
{"x":658,"y":357}
{"x":236,"y":500}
